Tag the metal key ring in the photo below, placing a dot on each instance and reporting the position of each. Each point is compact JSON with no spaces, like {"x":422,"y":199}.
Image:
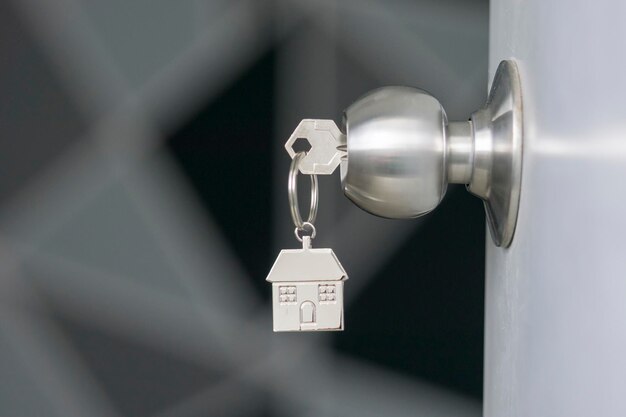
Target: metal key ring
{"x":305,"y":225}
{"x":292,"y":189}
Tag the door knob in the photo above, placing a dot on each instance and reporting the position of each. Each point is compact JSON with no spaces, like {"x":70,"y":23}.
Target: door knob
{"x":402,"y":153}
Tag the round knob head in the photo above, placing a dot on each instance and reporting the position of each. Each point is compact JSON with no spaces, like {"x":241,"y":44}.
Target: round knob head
{"x":396,"y":152}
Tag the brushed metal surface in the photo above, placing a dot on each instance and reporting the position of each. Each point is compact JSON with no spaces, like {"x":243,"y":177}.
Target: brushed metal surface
{"x":396,"y":152}
{"x":402,"y":153}
{"x":497,"y":158}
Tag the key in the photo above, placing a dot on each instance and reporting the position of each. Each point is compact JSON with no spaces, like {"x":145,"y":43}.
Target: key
{"x":307,"y":283}
{"x":327,"y":142}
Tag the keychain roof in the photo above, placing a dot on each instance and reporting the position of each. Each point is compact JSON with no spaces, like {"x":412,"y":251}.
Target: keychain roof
{"x":307,"y":264}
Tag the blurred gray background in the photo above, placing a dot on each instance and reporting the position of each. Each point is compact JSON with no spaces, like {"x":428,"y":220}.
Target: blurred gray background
{"x":143,"y":201}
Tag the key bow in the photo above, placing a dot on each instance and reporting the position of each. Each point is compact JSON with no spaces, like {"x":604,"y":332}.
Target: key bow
{"x":326,"y":141}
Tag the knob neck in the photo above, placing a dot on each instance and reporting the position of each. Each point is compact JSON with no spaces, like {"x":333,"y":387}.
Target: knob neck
{"x":459,"y":152}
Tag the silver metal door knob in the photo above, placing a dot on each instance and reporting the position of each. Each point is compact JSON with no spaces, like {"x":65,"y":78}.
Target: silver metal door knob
{"x":402,"y":152}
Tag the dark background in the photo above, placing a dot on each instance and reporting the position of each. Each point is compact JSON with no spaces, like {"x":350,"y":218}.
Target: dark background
{"x":144,"y":201}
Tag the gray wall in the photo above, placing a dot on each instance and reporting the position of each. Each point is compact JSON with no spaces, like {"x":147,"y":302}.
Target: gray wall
{"x":555,"y":336}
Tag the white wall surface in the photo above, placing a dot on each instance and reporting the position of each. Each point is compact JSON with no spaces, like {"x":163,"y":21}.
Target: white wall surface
{"x":555,"y":342}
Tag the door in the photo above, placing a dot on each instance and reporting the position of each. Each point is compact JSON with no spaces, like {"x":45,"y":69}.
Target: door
{"x":555,"y":337}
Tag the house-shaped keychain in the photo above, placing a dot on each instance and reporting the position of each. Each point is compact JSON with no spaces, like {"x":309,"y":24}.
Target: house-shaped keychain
{"x":307,"y":289}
